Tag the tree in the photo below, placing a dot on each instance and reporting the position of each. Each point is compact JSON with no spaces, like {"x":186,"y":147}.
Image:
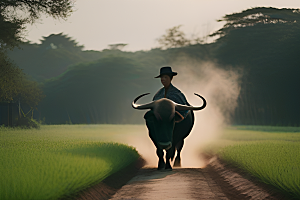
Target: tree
{"x":10,"y":32}
{"x":60,"y":41}
{"x":259,"y":15}
{"x":16,"y":87}
{"x":14,"y":14}
{"x":118,"y":46}
{"x":10,"y":77}
{"x":176,"y":38}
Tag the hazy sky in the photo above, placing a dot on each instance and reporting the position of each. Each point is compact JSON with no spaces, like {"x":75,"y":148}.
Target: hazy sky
{"x":138,"y":23}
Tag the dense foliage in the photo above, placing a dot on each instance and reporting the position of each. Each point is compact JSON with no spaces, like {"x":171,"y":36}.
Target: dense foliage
{"x":50,"y":58}
{"x":264,"y":42}
{"x":14,"y":84}
{"x":102,"y":94}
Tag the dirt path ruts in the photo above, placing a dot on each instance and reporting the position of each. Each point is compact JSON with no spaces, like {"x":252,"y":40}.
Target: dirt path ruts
{"x":216,"y":181}
{"x":181,"y":183}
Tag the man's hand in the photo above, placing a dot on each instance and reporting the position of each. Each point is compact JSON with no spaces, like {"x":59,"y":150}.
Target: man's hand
{"x":178,"y":117}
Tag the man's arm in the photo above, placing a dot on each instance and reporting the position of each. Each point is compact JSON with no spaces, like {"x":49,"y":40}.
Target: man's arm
{"x":179,"y":118}
{"x":180,"y":99}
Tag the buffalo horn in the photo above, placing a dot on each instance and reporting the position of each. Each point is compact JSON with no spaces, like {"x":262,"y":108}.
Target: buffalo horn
{"x":184,"y":107}
{"x":144,"y":106}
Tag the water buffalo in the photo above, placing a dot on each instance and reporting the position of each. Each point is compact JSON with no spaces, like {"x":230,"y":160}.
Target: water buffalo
{"x":167,"y":127}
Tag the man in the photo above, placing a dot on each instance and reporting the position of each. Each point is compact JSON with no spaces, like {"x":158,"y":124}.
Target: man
{"x":169,"y":91}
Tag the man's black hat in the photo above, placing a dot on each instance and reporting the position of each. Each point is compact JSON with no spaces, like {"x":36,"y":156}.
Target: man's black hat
{"x":166,"y":70}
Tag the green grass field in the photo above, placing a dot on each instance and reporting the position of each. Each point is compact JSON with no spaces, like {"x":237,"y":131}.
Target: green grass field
{"x":58,"y":161}
{"x":268,"y":153}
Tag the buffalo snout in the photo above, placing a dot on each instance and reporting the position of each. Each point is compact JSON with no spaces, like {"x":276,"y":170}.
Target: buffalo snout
{"x":165,"y":145}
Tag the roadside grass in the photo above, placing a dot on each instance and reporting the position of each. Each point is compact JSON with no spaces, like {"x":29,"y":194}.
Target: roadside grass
{"x":272,"y":156}
{"x":283,"y":129}
{"x":57,"y":161}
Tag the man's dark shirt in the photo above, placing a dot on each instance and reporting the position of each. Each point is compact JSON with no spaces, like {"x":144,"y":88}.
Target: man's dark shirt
{"x":173,"y":94}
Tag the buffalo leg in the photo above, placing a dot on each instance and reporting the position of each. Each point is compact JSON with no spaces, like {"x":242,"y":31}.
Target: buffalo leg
{"x":168,"y":157}
{"x":161,"y":162}
{"x":150,"y":122}
{"x":177,"y":162}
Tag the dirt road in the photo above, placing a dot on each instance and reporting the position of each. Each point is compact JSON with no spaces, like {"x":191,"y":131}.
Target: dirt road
{"x":181,"y":183}
{"x":215,"y":181}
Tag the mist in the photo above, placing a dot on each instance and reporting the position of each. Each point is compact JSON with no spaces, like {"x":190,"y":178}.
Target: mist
{"x":221,"y":88}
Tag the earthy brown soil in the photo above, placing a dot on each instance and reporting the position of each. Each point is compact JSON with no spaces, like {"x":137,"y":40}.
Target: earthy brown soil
{"x":216,"y":181}
{"x":243,"y":183}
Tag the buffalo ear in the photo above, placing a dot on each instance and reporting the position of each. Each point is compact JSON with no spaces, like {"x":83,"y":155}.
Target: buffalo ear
{"x":178,"y":117}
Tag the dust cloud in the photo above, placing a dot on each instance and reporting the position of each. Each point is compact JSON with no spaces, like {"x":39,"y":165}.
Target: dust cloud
{"x":143,"y":144}
{"x":220,"y":87}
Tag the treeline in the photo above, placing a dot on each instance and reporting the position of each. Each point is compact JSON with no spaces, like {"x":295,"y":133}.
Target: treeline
{"x":266,"y":43}
{"x":98,"y":86}
{"x":101,"y":91}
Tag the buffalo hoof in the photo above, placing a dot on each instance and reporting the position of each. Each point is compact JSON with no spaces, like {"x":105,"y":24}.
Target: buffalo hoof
{"x":168,"y":167}
{"x":177,"y":162}
{"x":161,"y":165}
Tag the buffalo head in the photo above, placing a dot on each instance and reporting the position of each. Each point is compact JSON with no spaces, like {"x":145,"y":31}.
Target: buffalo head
{"x":164,"y":118}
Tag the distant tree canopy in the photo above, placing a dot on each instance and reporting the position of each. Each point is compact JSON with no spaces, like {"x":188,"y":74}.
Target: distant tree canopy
{"x":118,"y":46}
{"x":52,"y":57}
{"x":259,"y":15}
{"x":60,"y":41}
{"x":96,"y":92}
{"x":175,"y":38}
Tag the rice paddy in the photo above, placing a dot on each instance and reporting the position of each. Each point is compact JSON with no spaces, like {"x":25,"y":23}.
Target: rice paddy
{"x":58,"y":161}
{"x":273,"y":156}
